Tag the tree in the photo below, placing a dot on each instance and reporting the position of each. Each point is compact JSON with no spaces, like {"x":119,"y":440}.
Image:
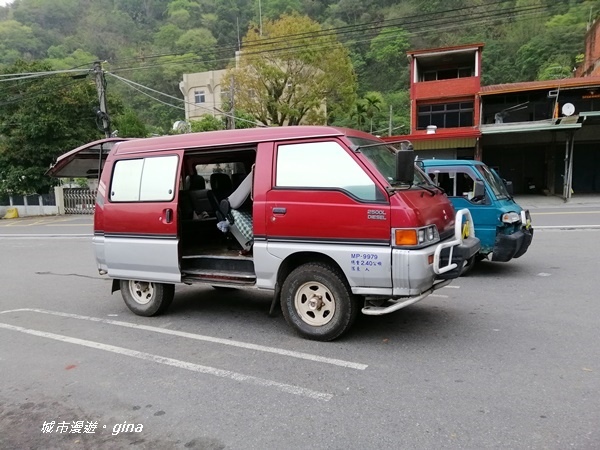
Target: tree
{"x":207,"y":122}
{"x":372,"y":102}
{"x":40,"y":119}
{"x":388,"y":66}
{"x":289,"y":73}
{"x":17,"y":40}
{"x":359,"y":114}
{"x":129,"y":125}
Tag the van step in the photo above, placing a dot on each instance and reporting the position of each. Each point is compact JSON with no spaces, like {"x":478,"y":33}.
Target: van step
{"x":229,"y":277}
{"x":219,"y":263}
{"x":225,"y":269}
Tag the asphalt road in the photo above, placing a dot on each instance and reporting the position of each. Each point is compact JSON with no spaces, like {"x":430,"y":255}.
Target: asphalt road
{"x":507,"y":357}
{"x":574,"y":217}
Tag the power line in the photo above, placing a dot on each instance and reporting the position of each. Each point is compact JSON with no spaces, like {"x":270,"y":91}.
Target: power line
{"x":27,"y":75}
{"x":133,"y":85}
{"x":442,"y":24}
{"x":21,"y":97}
{"x":410,"y":22}
{"x":451,"y":24}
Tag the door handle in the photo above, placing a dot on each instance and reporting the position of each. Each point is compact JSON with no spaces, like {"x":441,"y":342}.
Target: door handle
{"x":279,"y":210}
{"x":168,"y":215}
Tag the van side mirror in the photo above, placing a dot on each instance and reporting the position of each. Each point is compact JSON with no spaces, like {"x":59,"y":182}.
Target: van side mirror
{"x":509,"y":186}
{"x":405,"y":166}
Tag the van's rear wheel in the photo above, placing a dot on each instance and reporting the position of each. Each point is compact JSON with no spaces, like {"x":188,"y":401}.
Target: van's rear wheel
{"x":146,"y":298}
{"x":317,"y":302}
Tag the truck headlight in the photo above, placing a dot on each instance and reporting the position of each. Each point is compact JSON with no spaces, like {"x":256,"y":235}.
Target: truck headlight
{"x":510,"y":217}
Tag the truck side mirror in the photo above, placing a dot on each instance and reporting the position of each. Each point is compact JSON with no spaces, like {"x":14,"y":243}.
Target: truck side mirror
{"x":509,"y":186}
{"x":405,"y":166}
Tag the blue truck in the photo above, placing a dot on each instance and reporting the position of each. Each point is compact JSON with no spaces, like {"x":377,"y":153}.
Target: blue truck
{"x":502,"y":226}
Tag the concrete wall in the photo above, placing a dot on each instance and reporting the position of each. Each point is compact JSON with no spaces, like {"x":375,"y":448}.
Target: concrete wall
{"x":29,"y":210}
{"x":591,"y":63}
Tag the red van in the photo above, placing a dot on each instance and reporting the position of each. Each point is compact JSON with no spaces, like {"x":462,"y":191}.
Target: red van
{"x":331,"y":220}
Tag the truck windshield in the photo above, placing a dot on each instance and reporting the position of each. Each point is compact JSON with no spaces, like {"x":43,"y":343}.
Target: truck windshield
{"x":494,"y":182}
{"x":383,"y":158}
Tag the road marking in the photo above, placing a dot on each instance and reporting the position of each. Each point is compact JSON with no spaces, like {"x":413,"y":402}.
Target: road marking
{"x":45,"y":236}
{"x":438,"y":295}
{"x":565,"y":227}
{"x":199,"y":337}
{"x":562,"y":212}
{"x":288,"y":388}
{"x":451,"y":286}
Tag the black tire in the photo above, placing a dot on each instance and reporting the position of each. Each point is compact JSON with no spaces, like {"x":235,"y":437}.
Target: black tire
{"x":334,"y":307}
{"x":147,"y":298}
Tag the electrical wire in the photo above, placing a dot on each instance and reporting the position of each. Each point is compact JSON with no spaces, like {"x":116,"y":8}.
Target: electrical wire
{"x":29,"y":96}
{"x":447,"y":25}
{"x":134,"y":85}
{"x":337,"y":31}
{"x":376,"y":27}
{"x":368,"y":31}
{"x":27,"y":75}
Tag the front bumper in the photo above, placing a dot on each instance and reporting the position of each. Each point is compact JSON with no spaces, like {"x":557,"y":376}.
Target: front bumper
{"x":509,"y":246}
{"x":414,"y":276}
{"x":459,"y":256}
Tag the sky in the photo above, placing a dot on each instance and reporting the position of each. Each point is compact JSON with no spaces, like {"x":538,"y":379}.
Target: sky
{"x":5,"y":2}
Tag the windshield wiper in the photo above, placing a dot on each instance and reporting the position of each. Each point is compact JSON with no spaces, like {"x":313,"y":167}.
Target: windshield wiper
{"x":395,"y":186}
{"x":428,"y":189}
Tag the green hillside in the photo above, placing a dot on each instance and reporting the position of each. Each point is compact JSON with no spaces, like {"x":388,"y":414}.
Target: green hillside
{"x":153,"y":42}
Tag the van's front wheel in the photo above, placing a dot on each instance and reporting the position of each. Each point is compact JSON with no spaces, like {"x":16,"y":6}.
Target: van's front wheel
{"x":317,"y":302}
{"x":146,"y":298}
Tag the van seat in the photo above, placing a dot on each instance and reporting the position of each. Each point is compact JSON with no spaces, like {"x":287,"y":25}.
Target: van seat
{"x":237,"y":210}
{"x":199,"y":197}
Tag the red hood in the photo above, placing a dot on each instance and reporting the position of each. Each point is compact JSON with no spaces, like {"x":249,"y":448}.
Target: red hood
{"x":426,"y":209}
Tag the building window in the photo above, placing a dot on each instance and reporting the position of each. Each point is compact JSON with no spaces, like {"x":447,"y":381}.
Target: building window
{"x":447,"y":115}
{"x":199,"y":97}
{"x":447,"y":74}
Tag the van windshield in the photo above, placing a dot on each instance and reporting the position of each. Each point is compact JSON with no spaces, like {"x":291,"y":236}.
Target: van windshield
{"x":383,"y":158}
{"x":494,"y":182}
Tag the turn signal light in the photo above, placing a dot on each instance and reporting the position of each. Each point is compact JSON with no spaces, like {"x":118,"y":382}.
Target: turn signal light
{"x":415,"y":237}
{"x":406,"y":237}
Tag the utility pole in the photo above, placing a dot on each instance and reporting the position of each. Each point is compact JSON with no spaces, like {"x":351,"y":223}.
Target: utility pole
{"x":232,"y":105}
{"x":101,"y":87}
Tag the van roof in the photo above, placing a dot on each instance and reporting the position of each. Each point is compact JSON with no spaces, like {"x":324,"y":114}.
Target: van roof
{"x":232,"y":137}
{"x":450,"y":162}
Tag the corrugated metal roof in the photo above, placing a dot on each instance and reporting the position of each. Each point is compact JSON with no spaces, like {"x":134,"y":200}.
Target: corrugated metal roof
{"x":539,"y":85}
{"x":441,"y":144}
{"x":570,"y":123}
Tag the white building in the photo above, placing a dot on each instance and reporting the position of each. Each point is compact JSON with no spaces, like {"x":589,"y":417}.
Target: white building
{"x":204,"y":93}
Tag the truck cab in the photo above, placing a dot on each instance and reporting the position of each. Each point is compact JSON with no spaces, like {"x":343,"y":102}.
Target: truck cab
{"x":503,"y":227}
{"x":332,"y":221}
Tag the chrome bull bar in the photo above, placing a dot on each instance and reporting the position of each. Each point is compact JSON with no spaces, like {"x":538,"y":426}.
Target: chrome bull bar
{"x":459,"y":235}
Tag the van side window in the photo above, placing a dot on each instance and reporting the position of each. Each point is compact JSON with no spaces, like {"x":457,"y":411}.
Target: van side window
{"x":323,"y":165}
{"x":456,"y":182}
{"x":146,"y":179}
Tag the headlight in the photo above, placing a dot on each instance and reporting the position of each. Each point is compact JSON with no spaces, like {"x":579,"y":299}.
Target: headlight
{"x":511,"y":217}
{"x":415,"y":237}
